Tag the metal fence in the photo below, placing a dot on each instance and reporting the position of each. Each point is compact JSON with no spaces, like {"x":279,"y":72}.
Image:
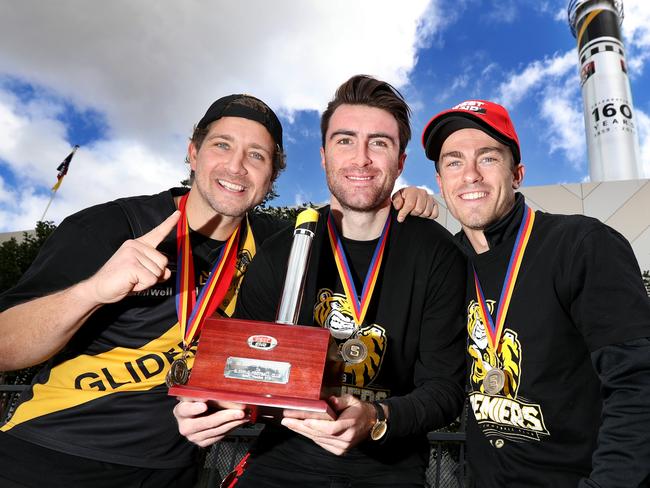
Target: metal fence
{"x":446,"y":460}
{"x":447,"y":467}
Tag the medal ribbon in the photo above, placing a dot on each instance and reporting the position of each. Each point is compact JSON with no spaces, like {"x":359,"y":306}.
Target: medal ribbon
{"x":494,"y":331}
{"x":248,"y":250}
{"x":359,"y":307}
{"x":191,"y":310}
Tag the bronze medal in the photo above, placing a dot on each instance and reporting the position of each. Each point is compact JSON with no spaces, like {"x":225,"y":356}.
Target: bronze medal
{"x":354,"y":351}
{"x":178,"y":373}
{"x":494,"y":381}
{"x":168,"y":379}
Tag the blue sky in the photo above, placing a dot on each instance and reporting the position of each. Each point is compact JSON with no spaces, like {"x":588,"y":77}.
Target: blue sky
{"x":127,"y":80}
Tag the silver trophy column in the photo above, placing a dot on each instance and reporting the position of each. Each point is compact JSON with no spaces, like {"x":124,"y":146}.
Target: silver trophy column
{"x":610,"y":124}
{"x":303,"y":235}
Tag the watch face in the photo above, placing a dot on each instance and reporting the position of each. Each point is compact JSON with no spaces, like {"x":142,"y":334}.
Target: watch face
{"x":378,"y":430}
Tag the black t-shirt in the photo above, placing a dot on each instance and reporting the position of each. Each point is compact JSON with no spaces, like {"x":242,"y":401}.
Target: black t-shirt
{"x":413,"y":330}
{"x":578,"y":290}
{"x":103,"y":396}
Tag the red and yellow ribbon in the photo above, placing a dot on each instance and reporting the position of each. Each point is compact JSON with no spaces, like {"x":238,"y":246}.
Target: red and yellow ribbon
{"x":192,"y":310}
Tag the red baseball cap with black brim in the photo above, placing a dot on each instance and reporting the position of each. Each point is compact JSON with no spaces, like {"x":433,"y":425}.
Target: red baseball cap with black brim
{"x":489,"y":117}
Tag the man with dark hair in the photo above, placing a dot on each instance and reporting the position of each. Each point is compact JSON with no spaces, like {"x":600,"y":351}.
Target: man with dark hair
{"x":365,"y":90}
{"x":98,"y":304}
{"x":391,"y":296}
{"x":558,"y":322}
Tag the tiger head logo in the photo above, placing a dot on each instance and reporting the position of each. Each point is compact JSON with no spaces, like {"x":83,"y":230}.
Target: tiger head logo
{"x":244,"y":258}
{"x":507,"y":357}
{"x":335,"y":313}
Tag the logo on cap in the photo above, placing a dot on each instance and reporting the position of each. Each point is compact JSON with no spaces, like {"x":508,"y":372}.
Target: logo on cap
{"x":471,"y":106}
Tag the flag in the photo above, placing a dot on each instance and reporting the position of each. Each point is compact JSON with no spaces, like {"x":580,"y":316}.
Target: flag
{"x":63,"y":169}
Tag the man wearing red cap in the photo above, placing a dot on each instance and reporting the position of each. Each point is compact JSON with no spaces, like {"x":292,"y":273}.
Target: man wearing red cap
{"x":99,"y":305}
{"x":558,"y":322}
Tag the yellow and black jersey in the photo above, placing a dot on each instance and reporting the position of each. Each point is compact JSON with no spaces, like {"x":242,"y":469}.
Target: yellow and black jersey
{"x":103,"y":396}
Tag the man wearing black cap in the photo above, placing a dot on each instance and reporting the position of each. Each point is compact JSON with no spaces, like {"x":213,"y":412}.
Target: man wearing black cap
{"x":98,"y":304}
{"x":557,"y":317}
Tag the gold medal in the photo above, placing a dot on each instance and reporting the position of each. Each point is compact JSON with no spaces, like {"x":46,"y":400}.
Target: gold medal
{"x":178,"y":373}
{"x":494,"y":381}
{"x":354,"y":351}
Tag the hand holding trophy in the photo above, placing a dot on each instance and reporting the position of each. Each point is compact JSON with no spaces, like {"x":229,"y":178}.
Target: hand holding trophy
{"x":269,"y":367}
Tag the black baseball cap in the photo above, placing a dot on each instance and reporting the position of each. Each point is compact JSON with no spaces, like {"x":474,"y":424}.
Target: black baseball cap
{"x":239,"y":106}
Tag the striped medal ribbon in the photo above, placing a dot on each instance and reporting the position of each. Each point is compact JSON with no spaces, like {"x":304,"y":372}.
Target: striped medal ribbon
{"x":353,"y":350}
{"x":494,"y":380}
{"x":192,"y":310}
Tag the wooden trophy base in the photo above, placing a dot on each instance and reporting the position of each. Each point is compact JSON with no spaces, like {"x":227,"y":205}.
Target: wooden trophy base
{"x":265,"y":368}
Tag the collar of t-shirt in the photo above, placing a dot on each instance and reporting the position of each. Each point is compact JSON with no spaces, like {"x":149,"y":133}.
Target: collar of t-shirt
{"x":359,"y":254}
{"x":502,"y":229}
{"x":205,"y":250}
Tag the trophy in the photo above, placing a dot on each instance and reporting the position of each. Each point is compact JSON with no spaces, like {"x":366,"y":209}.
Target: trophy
{"x":267,"y":367}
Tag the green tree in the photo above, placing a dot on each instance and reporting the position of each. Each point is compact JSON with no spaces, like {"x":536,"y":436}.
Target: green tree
{"x":286,"y":213}
{"x":16,"y":257}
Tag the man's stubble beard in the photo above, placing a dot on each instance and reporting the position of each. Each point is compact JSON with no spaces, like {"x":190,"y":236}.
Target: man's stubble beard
{"x":220,"y":207}
{"x":378,"y":200}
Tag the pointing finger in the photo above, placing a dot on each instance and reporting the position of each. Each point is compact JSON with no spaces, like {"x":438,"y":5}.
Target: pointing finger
{"x":156,"y":235}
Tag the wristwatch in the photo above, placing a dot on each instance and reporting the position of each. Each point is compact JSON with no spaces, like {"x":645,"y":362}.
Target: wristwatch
{"x":380,"y":427}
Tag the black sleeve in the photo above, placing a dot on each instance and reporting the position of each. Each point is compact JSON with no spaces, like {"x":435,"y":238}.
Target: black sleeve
{"x":75,"y":250}
{"x":265,"y":225}
{"x":261,"y":289}
{"x":439,"y":374}
{"x":608,"y":301}
{"x":622,"y":458}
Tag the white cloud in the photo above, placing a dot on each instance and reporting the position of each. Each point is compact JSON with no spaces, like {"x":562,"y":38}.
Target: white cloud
{"x":643,"y":121}
{"x":151,"y":68}
{"x":552,"y":87}
{"x":564,"y":124}
{"x":429,"y":190}
{"x":536,"y":74}
{"x":98,"y":172}
{"x":402,"y":182}
{"x":559,"y":14}
{"x":503,"y":11}
{"x":636,"y":30}
{"x":301,"y":197}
